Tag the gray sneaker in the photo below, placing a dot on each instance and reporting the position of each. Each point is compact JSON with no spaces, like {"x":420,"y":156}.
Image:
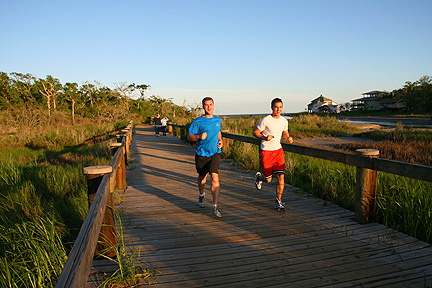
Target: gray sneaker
{"x":201,"y":201}
{"x":216,"y":212}
{"x":279,"y":205}
{"x":258,"y":183}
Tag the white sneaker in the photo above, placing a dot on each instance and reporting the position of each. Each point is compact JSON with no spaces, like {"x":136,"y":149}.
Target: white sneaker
{"x":279,"y":205}
{"x":201,"y":201}
{"x":216,"y":212}
{"x":258,"y":183}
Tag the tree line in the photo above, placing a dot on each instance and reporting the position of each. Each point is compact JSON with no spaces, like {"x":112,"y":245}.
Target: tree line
{"x":88,"y":100}
{"x":417,"y":95}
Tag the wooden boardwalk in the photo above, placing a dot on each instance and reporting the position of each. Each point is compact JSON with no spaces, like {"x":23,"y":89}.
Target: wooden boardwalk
{"x":313,"y":244}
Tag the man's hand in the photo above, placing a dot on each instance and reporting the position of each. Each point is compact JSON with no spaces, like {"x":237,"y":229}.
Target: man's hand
{"x":269,"y":137}
{"x":290,"y":140}
{"x":220,"y":144}
{"x":203,"y":136}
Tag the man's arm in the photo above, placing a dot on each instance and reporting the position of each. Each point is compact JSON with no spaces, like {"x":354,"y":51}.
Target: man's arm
{"x":285,"y":135}
{"x":258,"y":134}
{"x":194,"y":138}
{"x":220,"y":142}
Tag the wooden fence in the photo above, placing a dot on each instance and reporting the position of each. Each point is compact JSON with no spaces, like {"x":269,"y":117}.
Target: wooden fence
{"x":99,"y":223}
{"x":366,"y":162}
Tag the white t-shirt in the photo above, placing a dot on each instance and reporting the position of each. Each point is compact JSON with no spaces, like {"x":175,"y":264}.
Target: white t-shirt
{"x":271,"y":126}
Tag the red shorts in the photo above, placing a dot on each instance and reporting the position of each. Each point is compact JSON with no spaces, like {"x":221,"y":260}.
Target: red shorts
{"x":272,"y":162}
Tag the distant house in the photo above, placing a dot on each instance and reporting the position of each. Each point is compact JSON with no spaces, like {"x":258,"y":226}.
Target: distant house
{"x":392,"y":104}
{"x":323,"y":104}
{"x":373,"y":101}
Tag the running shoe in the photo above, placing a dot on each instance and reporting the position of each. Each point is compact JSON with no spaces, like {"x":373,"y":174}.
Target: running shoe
{"x":258,"y":183}
{"x":216,"y":212}
{"x":201,"y":201}
{"x":279,"y":205}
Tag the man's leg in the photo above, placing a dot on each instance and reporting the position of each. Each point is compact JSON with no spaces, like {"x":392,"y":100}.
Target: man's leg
{"x":280,"y":185}
{"x":201,"y":182}
{"x":215,"y":188}
{"x":264,"y":179}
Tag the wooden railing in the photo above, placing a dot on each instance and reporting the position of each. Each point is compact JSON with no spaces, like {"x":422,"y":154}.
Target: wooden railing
{"x":366,"y":162}
{"x":97,"y":233}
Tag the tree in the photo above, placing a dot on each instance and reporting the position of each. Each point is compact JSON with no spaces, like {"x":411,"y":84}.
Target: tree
{"x":138,"y":90}
{"x":159,"y":104}
{"x":5,"y":89}
{"x":346,"y":106}
{"x":417,"y":95}
{"x":89,"y":90}
{"x":123,"y":89}
{"x":23,"y":84}
{"x":72,"y":94}
{"x":51,"y":88}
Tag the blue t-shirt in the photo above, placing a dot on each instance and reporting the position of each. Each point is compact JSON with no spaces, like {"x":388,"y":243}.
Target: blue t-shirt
{"x":208,"y":146}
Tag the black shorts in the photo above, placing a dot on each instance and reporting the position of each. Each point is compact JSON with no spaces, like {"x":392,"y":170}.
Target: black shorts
{"x":206,"y":165}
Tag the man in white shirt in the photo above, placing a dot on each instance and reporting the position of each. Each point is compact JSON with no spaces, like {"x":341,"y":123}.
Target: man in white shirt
{"x":270,"y":130}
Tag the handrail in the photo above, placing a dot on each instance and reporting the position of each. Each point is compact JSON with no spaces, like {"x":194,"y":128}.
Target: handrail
{"x":415,"y":171}
{"x":77,"y":266}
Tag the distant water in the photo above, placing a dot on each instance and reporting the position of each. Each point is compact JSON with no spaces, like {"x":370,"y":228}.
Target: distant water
{"x":392,"y":122}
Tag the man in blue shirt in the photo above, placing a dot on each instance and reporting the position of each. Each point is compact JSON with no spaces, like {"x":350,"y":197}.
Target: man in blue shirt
{"x":206,"y":130}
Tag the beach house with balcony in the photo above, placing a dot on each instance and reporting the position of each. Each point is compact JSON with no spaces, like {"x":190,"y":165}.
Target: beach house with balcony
{"x":323,"y":104}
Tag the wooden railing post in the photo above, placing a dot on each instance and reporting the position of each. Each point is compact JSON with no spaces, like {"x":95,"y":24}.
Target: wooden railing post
{"x":114,"y":147}
{"x":183,"y":133}
{"x":366,"y":188}
{"x":119,"y":140}
{"x":120,"y":176}
{"x":174,"y":129}
{"x":170,"y":129}
{"x":127,"y":139}
{"x":119,"y":137}
{"x":107,"y":235}
{"x":225,"y":142}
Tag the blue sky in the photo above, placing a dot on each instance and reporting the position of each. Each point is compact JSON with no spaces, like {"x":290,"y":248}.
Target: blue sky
{"x":242,"y":53}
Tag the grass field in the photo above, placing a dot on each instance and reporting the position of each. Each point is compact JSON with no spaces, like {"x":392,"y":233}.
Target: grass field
{"x":43,"y":198}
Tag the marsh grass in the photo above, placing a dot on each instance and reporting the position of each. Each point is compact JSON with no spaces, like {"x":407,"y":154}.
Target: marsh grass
{"x":130,"y":271}
{"x":40,"y":175}
{"x":401,"y":144}
{"x":402,"y":203}
{"x":32,"y":254}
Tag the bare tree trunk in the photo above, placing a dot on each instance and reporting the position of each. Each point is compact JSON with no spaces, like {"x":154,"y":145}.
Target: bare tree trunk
{"x":54,"y":99}
{"x":48,"y":104}
{"x":73,"y":112}
{"x":49,"y":94}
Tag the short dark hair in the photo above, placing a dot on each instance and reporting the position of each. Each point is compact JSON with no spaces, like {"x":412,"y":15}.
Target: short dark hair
{"x":206,"y":99}
{"x":276,"y":100}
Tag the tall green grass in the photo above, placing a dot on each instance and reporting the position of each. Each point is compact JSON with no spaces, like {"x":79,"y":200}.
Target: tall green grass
{"x":32,"y":254}
{"x":43,"y":200}
{"x":402,"y":203}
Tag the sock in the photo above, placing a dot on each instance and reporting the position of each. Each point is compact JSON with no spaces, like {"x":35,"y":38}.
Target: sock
{"x":202,"y":195}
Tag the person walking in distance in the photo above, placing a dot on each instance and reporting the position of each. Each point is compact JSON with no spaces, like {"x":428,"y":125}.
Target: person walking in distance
{"x":270,"y":130}
{"x":206,"y":130}
{"x":164,"y":121}
{"x":157,"y":123}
